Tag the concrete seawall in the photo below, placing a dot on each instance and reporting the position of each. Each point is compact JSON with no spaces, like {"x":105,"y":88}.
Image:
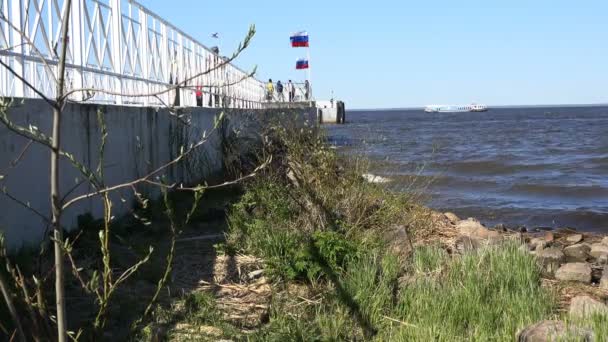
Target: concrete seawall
{"x":139,"y":141}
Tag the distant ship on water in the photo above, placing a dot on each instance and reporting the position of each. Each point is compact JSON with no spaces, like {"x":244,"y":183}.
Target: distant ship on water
{"x":456,"y":108}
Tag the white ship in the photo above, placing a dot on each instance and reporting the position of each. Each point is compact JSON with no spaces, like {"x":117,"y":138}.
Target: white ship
{"x":456,"y":108}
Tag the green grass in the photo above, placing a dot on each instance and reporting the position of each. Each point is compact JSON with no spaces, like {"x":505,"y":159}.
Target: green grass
{"x":486,"y":296}
{"x":481,"y":296}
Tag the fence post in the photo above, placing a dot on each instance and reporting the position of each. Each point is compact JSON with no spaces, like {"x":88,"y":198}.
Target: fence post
{"x":144,"y":53}
{"x":180,"y":73}
{"x":116,"y":33}
{"x":77,"y":48}
{"x":19,"y":66}
{"x":165,"y":56}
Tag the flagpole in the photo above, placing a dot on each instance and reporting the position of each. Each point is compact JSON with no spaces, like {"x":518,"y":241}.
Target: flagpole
{"x":309,"y":75}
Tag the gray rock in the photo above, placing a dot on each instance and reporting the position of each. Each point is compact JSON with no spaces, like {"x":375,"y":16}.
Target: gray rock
{"x":549,"y":237}
{"x":538,"y":244}
{"x":575,"y":238}
{"x":554,"y":331}
{"x":451,"y":217}
{"x":605,"y":240}
{"x":551,"y":259}
{"x":578,"y":252}
{"x":501,"y":227}
{"x":598,"y":249}
{"x":585,"y":306}
{"x":472,"y":228}
{"x":574,"y":271}
{"x":604,"y":279}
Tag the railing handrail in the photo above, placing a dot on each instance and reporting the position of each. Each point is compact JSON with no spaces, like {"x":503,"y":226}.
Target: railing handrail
{"x":117,"y":45}
{"x":150,"y":12}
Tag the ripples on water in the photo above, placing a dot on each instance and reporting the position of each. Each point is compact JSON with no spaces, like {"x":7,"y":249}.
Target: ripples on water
{"x":531,"y":166}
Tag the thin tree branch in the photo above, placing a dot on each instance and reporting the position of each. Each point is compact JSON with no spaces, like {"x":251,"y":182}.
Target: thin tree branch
{"x":28,"y":84}
{"x":25,"y":205}
{"x":142,"y":179}
{"x":216,"y":186}
{"x":29,"y":42}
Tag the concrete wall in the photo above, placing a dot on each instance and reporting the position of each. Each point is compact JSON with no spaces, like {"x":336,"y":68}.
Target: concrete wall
{"x":331,"y":112}
{"x":139,"y":141}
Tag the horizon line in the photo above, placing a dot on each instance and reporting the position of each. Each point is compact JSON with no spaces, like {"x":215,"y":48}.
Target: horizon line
{"x":602,"y":104}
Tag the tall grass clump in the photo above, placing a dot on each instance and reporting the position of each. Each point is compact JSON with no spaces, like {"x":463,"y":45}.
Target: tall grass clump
{"x":482,"y":296}
{"x":317,"y":223}
{"x":312,"y":203}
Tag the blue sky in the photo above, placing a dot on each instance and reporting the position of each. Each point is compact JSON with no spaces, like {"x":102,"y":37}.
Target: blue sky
{"x":387,"y":54}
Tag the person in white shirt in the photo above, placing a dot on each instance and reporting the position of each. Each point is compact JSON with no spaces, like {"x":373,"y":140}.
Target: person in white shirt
{"x":291,"y":90}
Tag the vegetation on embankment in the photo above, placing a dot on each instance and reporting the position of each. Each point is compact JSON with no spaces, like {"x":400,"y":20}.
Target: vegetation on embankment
{"x":349,"y":260}
{"x":314,"y":252}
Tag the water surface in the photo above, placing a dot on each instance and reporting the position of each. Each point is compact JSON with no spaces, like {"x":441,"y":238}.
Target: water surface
{"x":529,"y":166}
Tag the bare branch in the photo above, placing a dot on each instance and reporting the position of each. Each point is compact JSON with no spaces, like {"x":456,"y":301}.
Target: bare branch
{"x":207,"y":187}
{"x":16,"y":161}
{"x":28,"y":84}
{"x":29,"y":42}
{"x":142,"y":179}
{"x":4,"y":288}
{"x":25,"y":205}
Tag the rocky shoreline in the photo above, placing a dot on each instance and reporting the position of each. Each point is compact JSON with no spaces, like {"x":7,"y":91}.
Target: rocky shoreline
{"x":574,"y":263}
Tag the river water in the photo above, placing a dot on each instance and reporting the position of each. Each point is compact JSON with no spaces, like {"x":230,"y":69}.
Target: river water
{"x":544,"y":167}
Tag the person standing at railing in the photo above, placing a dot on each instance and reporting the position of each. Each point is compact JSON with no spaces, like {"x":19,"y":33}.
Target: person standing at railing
{"x":280,"y":96}
{"x":269,"y":90}
{"x":307,"y":90}
{"x":199,"y":96}
{"x":291,"y":90}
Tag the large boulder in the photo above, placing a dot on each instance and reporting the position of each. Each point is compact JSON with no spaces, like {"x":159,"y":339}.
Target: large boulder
{"x":574,"y":271}
{"x":585,"y":307}
{"x":577,"y":253}
{"x":538,"y":244}
{"x":551,"y":259}
{"x":575,"y":238}
{"x":475,"y":230}
{"x":605,"y":240}
{"x":598,"y":250}
{"x":554,"y":331}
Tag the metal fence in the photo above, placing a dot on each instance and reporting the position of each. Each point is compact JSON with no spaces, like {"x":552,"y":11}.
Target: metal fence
{"x":119,"y":46}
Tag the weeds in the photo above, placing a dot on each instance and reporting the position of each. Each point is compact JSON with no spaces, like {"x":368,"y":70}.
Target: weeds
{"x":481,"y":296}
{"x":314,"y":220}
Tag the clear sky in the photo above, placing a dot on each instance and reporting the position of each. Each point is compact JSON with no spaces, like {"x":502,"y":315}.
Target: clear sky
{"x":401,"y":53}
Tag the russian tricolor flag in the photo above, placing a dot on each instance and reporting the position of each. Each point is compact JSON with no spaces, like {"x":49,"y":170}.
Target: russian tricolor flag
{"x":302,"y":63}
{"x":299,"y":39}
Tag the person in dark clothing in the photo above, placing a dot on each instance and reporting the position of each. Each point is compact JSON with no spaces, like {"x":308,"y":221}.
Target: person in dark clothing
{"x":291,"y":90}
{"x":280,"y":96}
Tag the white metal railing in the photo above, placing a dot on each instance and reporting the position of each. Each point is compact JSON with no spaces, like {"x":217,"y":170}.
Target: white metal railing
{"x":116,"y":45}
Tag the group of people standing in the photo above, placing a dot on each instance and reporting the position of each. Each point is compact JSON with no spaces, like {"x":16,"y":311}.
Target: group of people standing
{"x":290,"y":89}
